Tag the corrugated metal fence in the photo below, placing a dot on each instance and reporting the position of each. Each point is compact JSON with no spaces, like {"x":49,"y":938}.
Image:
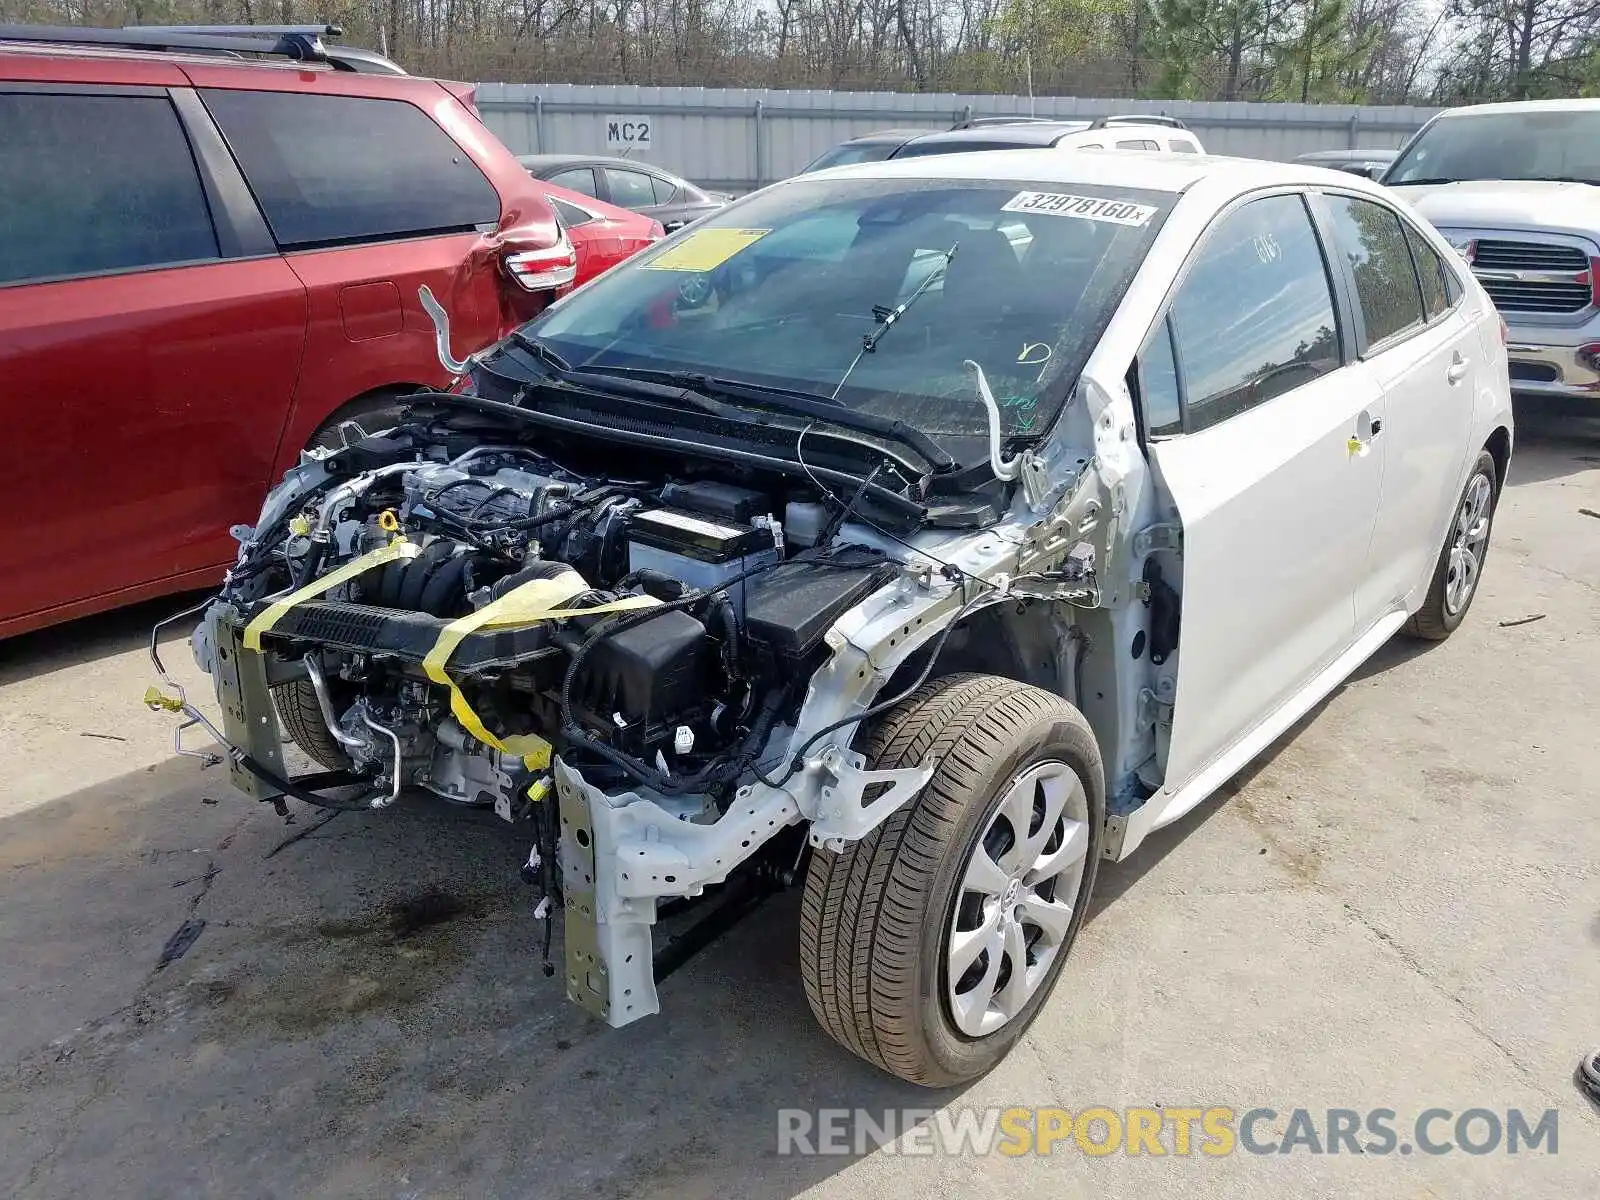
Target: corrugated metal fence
{"x":738,"y":139}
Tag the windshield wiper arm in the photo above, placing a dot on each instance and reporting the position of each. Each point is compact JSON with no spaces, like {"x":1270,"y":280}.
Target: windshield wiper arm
{"x":886,"y":317}
{"x":823,"y":407}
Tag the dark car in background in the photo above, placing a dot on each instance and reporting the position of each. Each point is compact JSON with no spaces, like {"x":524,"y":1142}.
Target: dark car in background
{"x":1123,"y":131}
{"x":869,"y":147}
{"x":627,"y":183}
{"x":211,"y":245}
{"x":1367,"y":163}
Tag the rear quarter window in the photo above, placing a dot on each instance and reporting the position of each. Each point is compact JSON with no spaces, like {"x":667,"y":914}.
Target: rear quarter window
{"x":331,"y":170}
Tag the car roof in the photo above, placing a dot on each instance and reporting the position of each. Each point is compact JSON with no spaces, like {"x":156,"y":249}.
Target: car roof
{"x":1523,"y":106}
{"x":1024,"y":133}
{"x":1321,"y":156}
{"x":55,"y":44}
{"x":536,"y":162}
{"x":1146,"y":170}
{"x":888,"y":137}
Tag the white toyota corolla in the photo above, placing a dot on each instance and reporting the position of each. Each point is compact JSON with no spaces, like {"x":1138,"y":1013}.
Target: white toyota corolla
{"x":937,"y":528}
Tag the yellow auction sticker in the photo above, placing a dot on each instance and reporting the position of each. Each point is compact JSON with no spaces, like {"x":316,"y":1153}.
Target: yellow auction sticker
{"x":706,"y":249}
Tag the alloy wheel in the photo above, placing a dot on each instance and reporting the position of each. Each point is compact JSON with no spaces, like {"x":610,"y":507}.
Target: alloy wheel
{"x":1471,"y":540}
{"x":1018,"y":895}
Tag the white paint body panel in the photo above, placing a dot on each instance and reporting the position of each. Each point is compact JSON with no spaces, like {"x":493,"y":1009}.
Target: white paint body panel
{"x":1277,"y":515}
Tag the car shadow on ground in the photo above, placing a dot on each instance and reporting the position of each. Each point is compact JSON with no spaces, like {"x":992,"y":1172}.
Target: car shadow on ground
{"x":362,"y":1010}
{"x":1555,"y":438}
{"x":88,"y":639}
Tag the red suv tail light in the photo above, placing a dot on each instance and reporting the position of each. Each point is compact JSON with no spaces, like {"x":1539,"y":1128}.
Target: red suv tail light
{"x":544,"y":270}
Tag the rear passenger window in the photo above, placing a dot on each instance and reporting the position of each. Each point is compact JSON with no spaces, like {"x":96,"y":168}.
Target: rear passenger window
{"x":96,"y":183}
{"x":664,"y":191}
{"x":1138,"y":144}
{"x":1370,"y":238}
{"x":328,"y":170}
{"x":580,"y":179}
{"x":629,"y":189}
{"x":1437,"y":292}
{"x":1185,"y":146}
{"x":1254,"y":318}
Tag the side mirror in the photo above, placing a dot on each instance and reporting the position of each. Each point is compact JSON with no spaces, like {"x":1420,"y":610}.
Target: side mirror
{"x":1365,"y":170}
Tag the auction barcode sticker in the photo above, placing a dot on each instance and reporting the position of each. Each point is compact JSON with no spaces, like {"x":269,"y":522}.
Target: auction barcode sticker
{"x":1088,"y":208}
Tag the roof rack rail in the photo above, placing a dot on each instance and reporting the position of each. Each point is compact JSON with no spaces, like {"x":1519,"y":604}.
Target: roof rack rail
{"x":985,"y":122}
{"x":1138,"y":119}
{"x":301,"y":43}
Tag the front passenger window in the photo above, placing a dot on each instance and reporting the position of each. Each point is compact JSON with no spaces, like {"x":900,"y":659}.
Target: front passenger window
{"x":1254,"y":318}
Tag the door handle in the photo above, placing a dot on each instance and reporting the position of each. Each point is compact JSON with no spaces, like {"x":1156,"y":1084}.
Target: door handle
{"x":1457,"y":370}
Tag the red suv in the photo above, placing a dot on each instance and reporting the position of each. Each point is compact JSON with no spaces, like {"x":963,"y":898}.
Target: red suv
{"x":210,"y":249}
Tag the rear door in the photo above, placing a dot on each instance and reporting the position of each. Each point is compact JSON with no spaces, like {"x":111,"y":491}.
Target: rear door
{"x":1424,"y":354}
{"x":629,"y":189}
{"x":1249,"y":400}
{"x":148,"y":350}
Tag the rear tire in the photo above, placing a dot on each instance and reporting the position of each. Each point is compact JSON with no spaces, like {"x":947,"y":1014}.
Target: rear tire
{"x":1466,"y":548}
{"x":886,"y":923}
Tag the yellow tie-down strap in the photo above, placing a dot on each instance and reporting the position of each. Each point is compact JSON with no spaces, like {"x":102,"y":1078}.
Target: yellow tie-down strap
{"x":532,"y":602}
{"x":273,"y":613}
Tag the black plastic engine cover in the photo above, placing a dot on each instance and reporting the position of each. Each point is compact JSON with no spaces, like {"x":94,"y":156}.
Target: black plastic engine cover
{"x":652,"y":673}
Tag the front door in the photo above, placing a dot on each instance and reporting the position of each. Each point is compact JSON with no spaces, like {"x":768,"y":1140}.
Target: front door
{"x":1256,"y":443}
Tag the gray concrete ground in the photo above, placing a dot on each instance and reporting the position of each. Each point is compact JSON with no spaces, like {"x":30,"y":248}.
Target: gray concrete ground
{"x":1398,"y":907}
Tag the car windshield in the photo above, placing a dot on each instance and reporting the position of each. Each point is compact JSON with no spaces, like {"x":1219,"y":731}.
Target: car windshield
{"x":782,"y":289}
{"x":1504,"y":145}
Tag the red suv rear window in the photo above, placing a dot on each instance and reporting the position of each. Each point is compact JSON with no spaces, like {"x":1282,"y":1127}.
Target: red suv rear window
{"x":333,"y":169}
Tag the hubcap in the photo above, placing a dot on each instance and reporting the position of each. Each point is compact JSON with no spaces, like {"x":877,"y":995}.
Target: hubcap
{"x":1470,"y":540}
{"x":1018,"y":893}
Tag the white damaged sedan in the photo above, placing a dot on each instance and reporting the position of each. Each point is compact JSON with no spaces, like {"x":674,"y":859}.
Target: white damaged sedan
{"x":929,"y":530}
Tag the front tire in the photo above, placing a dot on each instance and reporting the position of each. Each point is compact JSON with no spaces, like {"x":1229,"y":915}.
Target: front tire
{"x":1460,"y":565}
{"x":929,"y":946}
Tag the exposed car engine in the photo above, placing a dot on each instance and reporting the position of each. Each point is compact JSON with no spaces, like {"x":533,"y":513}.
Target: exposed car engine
{"x":448,"y":621}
